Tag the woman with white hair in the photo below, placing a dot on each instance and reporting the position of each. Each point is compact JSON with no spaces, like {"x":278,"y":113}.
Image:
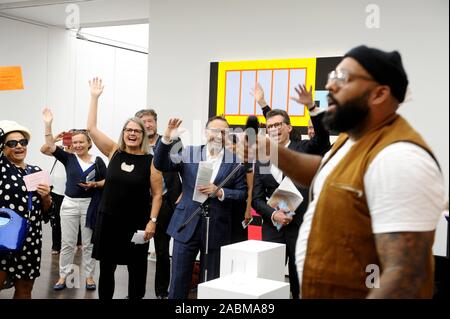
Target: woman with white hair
{"x":21,"y":266}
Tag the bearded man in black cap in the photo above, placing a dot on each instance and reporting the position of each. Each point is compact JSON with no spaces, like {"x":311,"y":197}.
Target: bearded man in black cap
{"x":369,"y":227}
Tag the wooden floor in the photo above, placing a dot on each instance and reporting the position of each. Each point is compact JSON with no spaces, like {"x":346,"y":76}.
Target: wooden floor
{"x":43,"y":287}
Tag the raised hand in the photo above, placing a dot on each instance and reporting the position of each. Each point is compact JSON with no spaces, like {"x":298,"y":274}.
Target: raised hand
{"x":47,"y":116}
{"x":304,"y":96}
{"x":96,"y":87}
{"x":172,"y":129}
{"x":258,"y":94}
{"x":58,"y":137}
{"x":105,"y":144}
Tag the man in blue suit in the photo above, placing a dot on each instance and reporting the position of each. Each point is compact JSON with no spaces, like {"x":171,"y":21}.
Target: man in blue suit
{"x":189,"y":241}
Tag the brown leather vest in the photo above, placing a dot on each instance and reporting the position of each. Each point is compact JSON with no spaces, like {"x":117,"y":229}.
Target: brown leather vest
{"x":341,"y":243}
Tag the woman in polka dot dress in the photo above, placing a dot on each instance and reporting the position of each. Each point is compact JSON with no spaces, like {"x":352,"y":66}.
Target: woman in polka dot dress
{"x":22,"y":267}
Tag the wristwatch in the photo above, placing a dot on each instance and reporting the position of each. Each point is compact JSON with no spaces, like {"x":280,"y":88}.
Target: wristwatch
{"x":313,"y":107}
{"x":153,"y":219}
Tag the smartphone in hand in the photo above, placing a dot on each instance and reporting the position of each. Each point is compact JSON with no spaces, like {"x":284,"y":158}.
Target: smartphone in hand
{"x":91,"y":176}
{"x":67,"y":139}
{"x":245,"y":224}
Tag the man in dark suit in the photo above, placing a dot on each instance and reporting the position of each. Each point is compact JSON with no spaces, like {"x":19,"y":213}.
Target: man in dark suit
{"x":268,"y":177}
{"x":171,"y":192}
{"x":189,"y":241}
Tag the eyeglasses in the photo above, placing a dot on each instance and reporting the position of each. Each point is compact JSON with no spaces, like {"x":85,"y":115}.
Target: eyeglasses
{"x":342,"y":77}
{"x":13,"y":143}
{"x":132,"y":130}
{"x":276,"y":125}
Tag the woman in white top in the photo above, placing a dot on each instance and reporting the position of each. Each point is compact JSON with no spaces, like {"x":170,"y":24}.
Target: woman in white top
{"x":83,"y":177}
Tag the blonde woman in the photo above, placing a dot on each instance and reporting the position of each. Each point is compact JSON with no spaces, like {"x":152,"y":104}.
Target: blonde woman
{"x":85,"y":175}
{"x":126,"y":206}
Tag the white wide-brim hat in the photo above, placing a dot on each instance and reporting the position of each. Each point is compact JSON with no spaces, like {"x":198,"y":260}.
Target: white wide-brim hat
{"x":11,"y":126}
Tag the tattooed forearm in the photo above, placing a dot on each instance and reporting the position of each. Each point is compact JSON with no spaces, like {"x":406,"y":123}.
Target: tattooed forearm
{"x":404,"y":260}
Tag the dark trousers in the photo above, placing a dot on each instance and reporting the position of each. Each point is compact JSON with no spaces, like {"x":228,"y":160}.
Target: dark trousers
{"x":137,"y":274}
{"x":56,"y":223}
{"x":238,"y":233}
{"x":286,"y":236}
{"x":183,"y":259}
{"x":162,"y":240}
{"x":293,"y":275}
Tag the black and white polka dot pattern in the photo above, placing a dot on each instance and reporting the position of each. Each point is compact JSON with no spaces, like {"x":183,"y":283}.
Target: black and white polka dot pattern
{"x":2,"y":139}
{"x":13,"y":194}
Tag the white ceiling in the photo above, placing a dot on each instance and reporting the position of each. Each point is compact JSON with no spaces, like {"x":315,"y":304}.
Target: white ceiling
{"x":126,"y":36}
{"x":93,"y":13}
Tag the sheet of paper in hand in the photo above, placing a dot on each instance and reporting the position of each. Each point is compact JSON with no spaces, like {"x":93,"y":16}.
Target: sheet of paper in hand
{"x":33,"y":180}
{"x":204,"y":174}
{"x":288,"y":193}
{"x":138,"y":238}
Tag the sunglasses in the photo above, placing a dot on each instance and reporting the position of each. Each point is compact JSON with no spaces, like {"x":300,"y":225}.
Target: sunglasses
{"x":13,"y":143}
{"x":79,"y":131}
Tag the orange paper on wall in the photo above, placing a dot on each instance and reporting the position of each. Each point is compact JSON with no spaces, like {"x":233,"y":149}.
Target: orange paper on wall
{"x":11,"y":78}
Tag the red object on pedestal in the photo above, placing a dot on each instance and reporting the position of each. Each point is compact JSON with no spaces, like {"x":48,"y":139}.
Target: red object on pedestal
{"x":255,"y":229}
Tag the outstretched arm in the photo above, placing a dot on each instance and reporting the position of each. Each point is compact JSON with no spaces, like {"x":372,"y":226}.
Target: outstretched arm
{"x":106,"y":145}
{"x":300,"y":167}
{"x":164,"y":160}
{"x":49,"y":147}
{"x":404,"y":258}
{"x":45,"y":149}
{"x":258,"y":94}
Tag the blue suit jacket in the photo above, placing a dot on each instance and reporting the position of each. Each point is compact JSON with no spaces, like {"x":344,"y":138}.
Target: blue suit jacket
{"x":186,"y":163}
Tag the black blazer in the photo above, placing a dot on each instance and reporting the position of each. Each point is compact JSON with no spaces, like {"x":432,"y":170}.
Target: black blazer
{"x":264,"y":184}
{"x":320,"y":143}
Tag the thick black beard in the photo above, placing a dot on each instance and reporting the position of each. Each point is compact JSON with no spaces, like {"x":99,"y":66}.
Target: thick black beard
{"x":348,"y":116}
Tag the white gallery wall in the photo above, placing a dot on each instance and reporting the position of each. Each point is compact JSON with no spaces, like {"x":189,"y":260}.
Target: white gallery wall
{"x":56,"y":68}
{"x":185,"y":36}
{"x":27,"y":46}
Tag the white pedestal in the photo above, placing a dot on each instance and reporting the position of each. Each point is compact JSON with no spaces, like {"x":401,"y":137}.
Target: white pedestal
{"x":254,"y":258}
{"x":238,"y":286}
